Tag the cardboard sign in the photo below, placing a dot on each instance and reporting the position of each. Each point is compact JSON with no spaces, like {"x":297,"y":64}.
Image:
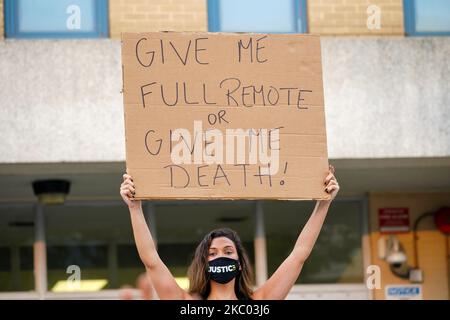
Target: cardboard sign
{"x":393,"y":220}
{"x":224,"y":116}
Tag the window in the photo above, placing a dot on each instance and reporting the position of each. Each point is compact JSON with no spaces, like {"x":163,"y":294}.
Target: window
{"x":427,"y":17}
{"x":92,"y":261}
{"x":337,"y":254}
{"x":56,"y":18}
{"x":263,"y":16}
{"x":16,"y":248}
{"x":91,"y":237}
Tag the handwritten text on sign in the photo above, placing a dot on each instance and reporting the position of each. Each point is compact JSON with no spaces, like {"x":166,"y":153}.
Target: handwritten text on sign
{"x":224,"y":116}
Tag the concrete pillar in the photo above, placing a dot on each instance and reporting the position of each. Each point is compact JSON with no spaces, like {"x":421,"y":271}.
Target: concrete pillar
{"x":260,"y":246}
{"x":40,"y":252}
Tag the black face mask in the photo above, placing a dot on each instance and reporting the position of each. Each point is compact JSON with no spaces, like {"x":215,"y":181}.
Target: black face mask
{"x":223,"y":270}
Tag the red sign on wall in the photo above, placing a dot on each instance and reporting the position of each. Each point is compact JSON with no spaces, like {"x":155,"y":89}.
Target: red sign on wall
{"x":393,"y":220}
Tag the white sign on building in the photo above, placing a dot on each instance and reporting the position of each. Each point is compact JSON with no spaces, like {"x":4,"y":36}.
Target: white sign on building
{"x":403,"y":292}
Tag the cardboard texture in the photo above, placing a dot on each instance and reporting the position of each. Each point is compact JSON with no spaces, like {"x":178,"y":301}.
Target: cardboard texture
{"x":206,"y":114}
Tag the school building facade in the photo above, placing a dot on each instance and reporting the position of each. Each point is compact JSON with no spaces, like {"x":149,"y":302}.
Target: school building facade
{"x":386,"y":73}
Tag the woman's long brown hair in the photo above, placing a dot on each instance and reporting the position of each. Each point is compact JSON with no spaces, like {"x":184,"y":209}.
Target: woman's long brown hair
{"x":198,"y":270}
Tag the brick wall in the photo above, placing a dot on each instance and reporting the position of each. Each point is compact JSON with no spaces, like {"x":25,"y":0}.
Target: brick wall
{"x":349,"y":17}
{"x":157,"y":15}
{"x":326,"y":17}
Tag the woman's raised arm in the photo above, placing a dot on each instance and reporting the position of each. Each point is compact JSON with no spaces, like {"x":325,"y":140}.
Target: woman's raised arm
{"x":163,"y":281}
{"x":283,"y":279}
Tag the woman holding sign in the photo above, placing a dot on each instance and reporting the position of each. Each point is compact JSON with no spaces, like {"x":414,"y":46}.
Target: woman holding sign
{"x":220,"y":269}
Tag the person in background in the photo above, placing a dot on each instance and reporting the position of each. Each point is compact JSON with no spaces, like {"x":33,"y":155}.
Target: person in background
{"x":143,"y":284}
